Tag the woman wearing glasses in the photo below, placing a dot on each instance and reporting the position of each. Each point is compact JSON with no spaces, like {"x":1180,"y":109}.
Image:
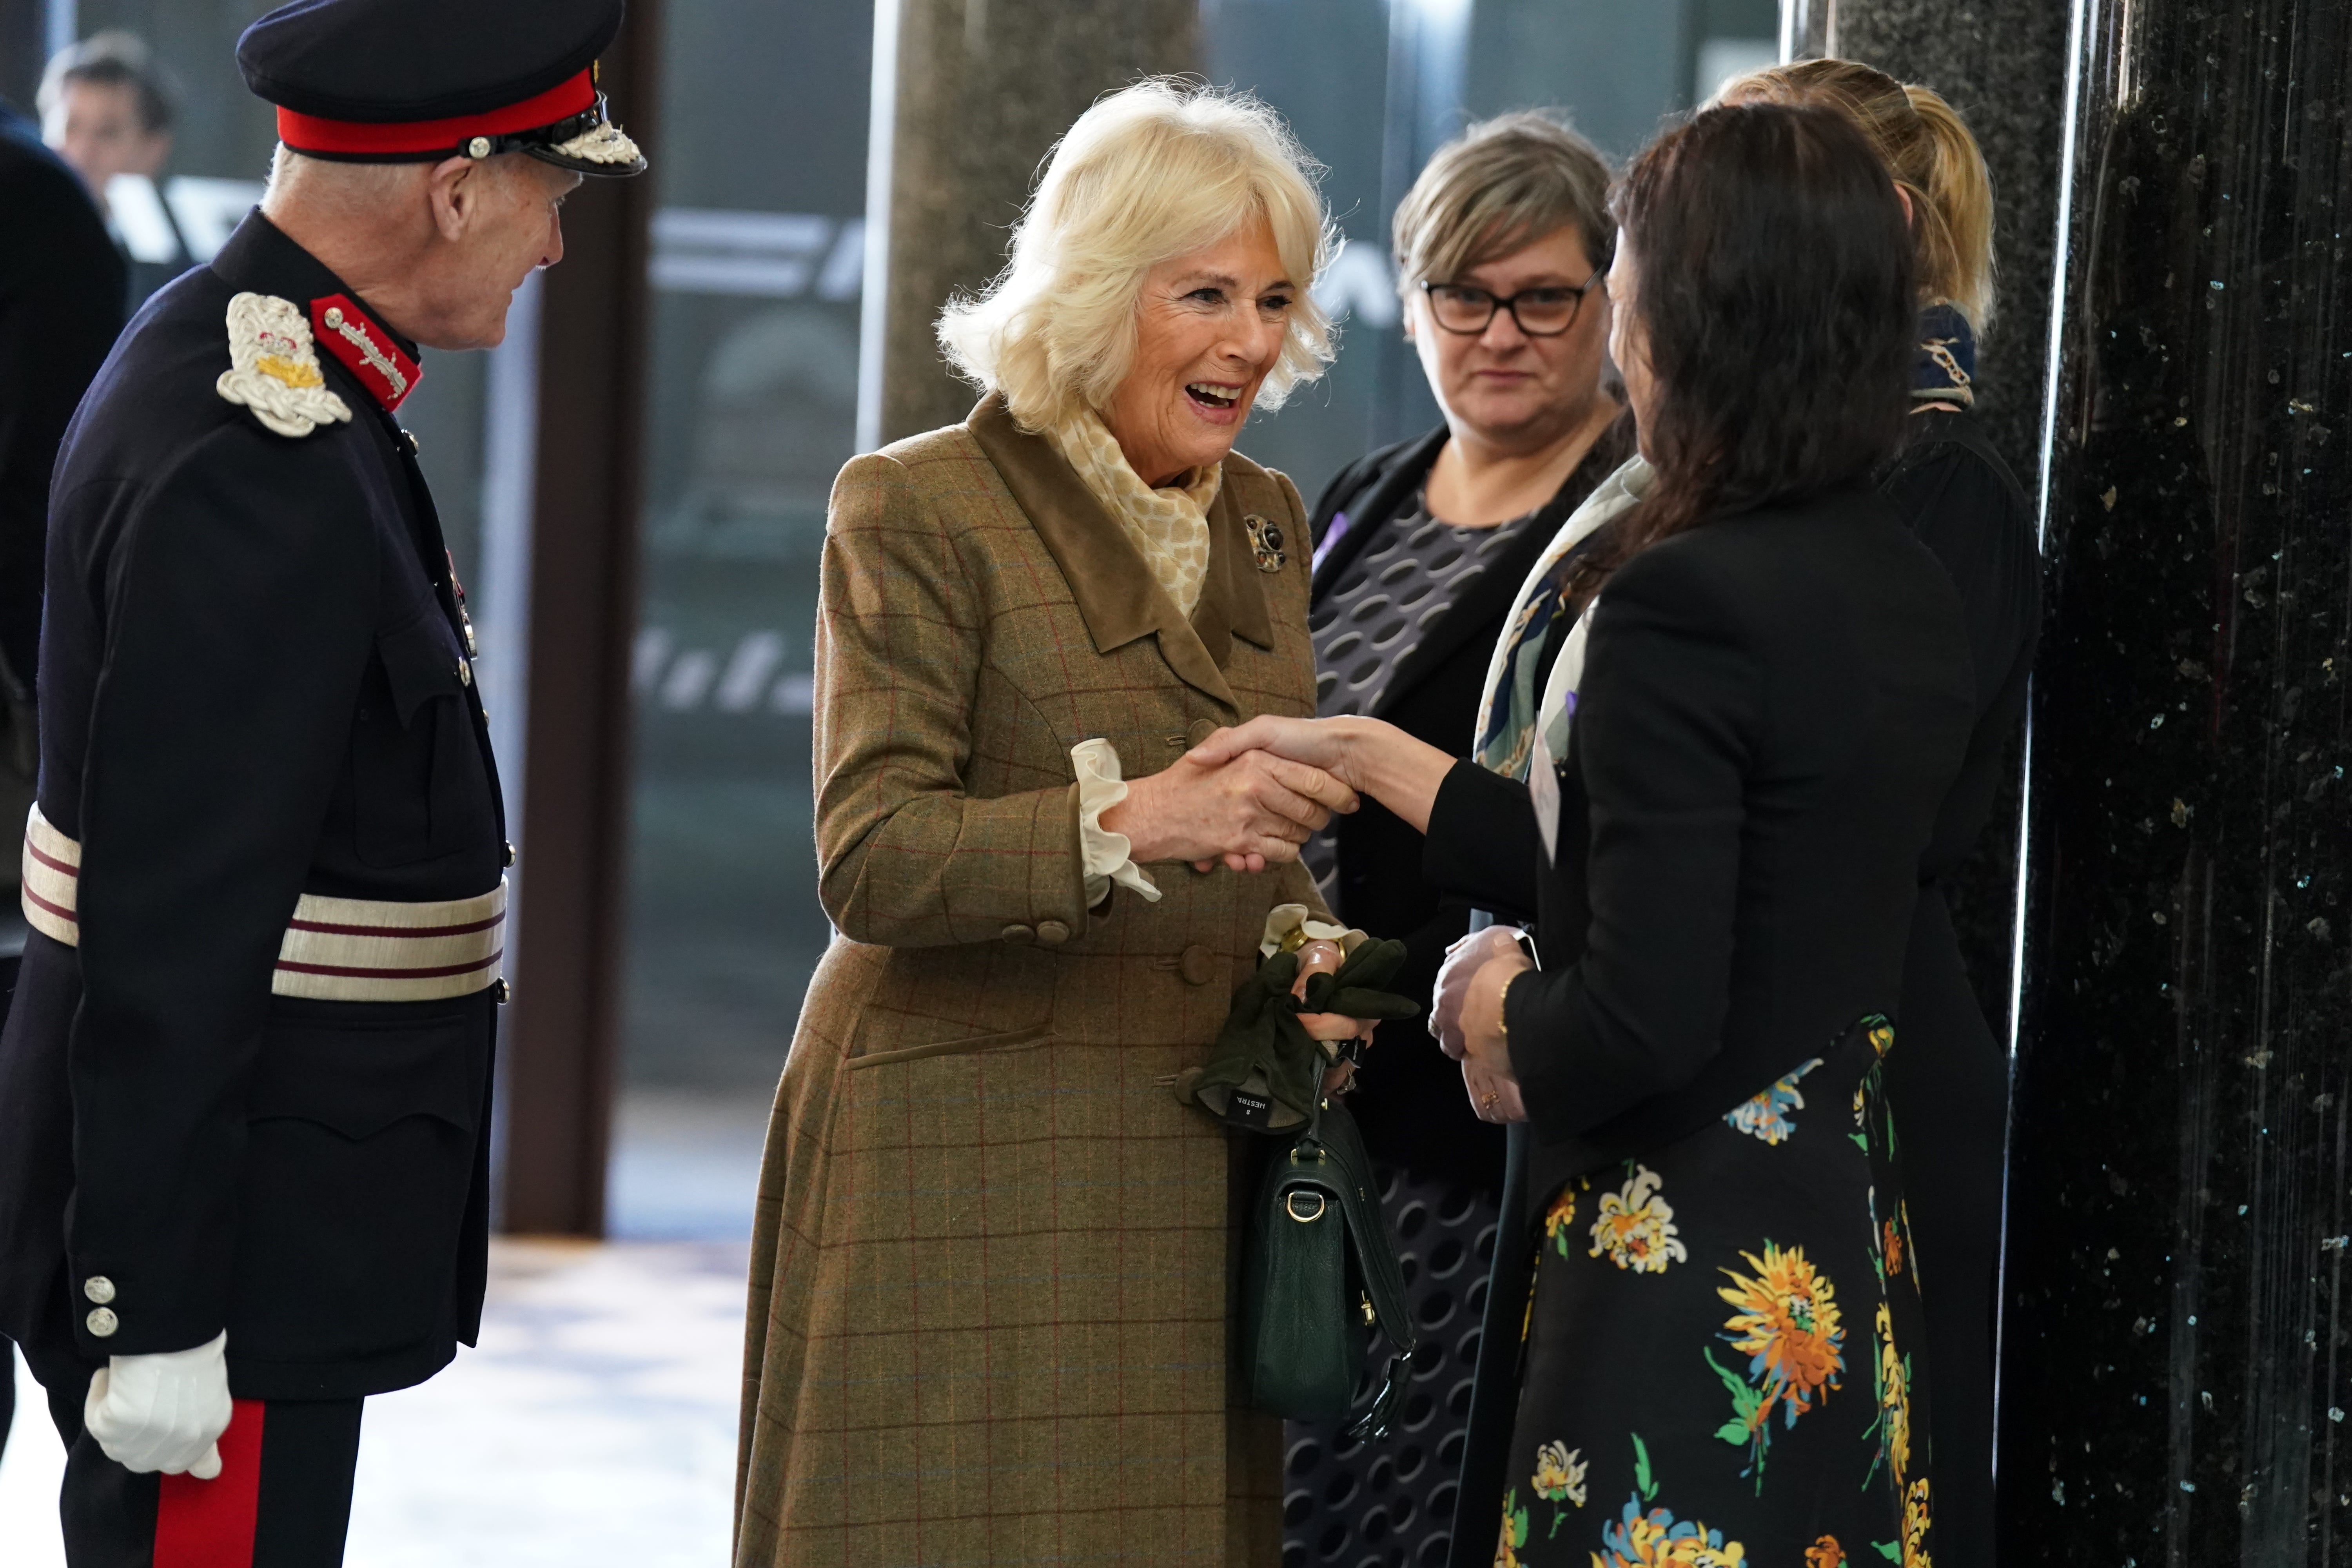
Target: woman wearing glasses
{"x":1501,"y":248}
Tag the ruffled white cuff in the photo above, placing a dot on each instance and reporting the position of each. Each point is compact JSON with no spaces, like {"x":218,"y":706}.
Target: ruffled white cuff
{"x":1290,"y":927}
{"x":1104,"y":856}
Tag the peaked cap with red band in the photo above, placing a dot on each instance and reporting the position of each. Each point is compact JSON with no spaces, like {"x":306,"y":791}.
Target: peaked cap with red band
{"x":379,"y":81}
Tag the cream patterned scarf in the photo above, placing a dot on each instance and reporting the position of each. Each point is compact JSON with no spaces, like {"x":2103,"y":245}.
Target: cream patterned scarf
{"x":1170,"y":528}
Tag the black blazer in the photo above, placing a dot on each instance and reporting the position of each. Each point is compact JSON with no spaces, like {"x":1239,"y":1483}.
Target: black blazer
{"x":1411,"y":1106}
{"x":1773,"y":709}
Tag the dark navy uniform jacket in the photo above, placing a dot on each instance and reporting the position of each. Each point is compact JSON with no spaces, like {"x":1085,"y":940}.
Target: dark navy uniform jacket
{"x":251,"y":689}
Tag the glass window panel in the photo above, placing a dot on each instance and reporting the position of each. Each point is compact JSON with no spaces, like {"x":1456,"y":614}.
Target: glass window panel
{"x":758,"y":254}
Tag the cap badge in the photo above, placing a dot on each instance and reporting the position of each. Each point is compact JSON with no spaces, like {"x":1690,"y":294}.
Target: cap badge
{"x":273,"y":368}
{"x":1266,"y":543}
{"x":603,"y":143}
{"x":364,"y":350}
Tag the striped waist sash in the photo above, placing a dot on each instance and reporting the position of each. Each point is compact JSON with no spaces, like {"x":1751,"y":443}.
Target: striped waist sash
{"x":335,"y":950}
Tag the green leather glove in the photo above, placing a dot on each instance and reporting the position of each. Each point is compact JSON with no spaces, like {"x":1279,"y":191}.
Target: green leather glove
{"x":1356,"y":989}
{"x":1265,"y":1073}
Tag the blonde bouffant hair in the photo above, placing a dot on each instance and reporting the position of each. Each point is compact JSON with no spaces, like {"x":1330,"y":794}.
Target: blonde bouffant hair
{"x":1150,"y":172}
{"x":1926,"y":145}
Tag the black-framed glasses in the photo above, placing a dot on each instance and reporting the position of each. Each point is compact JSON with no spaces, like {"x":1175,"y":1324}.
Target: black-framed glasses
{"x":1543,"y":313}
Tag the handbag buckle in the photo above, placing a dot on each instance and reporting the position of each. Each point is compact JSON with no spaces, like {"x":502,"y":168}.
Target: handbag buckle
{"x":1290,"y":1206}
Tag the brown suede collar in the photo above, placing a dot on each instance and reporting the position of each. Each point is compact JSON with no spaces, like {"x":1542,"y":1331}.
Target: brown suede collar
{"x":1115,"y":591}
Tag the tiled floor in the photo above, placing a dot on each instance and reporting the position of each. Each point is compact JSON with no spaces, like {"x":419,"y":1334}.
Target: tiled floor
{"x":594,"y":1428}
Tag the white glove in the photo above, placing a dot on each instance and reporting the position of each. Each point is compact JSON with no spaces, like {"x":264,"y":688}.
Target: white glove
{"x":162,"y":1412}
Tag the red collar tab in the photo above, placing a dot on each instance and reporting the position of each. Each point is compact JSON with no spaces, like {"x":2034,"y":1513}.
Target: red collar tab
{"x":366,"y":350}
{"x":419,"y":138}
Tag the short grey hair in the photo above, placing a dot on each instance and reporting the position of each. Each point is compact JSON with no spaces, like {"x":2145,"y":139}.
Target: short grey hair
{"x":113,"y":58}
{"x":362,"y":181}
{"x":1502,"y":183}
{"x":1148,"y":173}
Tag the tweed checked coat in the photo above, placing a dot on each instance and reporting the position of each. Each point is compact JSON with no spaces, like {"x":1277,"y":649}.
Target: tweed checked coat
{"x":989,"y":1276}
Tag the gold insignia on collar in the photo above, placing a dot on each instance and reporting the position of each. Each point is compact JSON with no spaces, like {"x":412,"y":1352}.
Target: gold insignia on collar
{"x":274,"y":367}
{"x":1266,"y":543}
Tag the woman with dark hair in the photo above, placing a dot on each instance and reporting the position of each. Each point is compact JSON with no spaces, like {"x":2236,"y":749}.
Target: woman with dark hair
{"x":1738,"y":760}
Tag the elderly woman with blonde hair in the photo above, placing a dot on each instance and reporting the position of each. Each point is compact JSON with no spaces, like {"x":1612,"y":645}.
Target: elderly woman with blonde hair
{"x":989,"y":1278}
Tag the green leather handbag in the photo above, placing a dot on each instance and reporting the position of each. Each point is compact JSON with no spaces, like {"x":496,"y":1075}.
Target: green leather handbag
{"x":1319,"y":1267}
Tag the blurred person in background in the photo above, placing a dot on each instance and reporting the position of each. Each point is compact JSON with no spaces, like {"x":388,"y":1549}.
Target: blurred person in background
{"x":1949,"y":1083}
{"x":107,"y":106}
{"x":1502,"y":248}
{"x":989,"y":1288}
{"x":60,"y":308}
{"x":245,"y":1085}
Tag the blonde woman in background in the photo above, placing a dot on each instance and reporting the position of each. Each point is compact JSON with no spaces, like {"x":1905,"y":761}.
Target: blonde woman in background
{"x":1949,"y":1083}
{"x":989,"y":1283}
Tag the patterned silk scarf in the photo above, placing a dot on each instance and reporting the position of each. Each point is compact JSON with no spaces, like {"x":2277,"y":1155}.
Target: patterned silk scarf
{"x":1170,"y":528}
{"x":1946,"y":370}
{"x":1506,"y":713}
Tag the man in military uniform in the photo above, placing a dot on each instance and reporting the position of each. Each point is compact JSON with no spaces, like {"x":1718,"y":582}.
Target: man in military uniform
{"x":245,"y":1088}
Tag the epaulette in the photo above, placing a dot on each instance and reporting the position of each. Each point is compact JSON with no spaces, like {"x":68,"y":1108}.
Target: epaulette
{"x":274,"y":367}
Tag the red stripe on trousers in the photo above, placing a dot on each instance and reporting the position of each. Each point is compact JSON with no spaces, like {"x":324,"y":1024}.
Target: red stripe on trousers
{"x":209,"y":1524}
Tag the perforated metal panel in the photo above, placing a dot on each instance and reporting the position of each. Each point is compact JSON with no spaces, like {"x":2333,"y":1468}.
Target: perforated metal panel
{"x":1389,"y":1504}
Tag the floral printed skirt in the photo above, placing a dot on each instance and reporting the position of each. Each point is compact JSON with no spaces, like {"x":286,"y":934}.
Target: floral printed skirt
{"x":1721,"y":1362}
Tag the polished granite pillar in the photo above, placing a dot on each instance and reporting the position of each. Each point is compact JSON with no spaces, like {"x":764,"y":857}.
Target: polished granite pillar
{"x":968,"y":97}
{"x":2177,"y":1332}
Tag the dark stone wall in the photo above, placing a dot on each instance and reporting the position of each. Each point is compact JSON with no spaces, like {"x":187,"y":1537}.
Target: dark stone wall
{"x":2177,"y":1339}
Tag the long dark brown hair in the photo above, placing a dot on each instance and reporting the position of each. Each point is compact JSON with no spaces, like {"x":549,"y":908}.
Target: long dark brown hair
{"x":1774,"y":282}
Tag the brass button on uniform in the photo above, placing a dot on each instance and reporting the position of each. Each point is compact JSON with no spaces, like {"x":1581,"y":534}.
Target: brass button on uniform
{"x":102,"y":1322}
{"x":1197,"y":966}
{"x":1018,"y":934}
{"x":502,"y":992}
{"x":98,"y":1289}
{"x":511,"y":854}
{"x":1053,"y":933}
{"x":1201,"y":731}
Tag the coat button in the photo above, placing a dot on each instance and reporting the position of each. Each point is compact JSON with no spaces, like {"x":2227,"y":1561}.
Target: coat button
{"x":1201,"y":731}
{"x":98,"y":1289}
{"x":102,"y":1322}
{"x":1197,"y":966}
{"x":1017,"y":935}
{"x":1053,"y":933}
{"x":509,"y":860}
{"x":501,"y":992}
